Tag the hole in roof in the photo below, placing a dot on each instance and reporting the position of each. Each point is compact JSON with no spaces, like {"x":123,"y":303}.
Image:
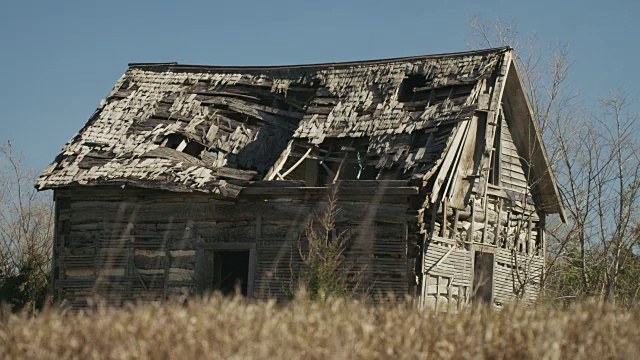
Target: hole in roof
{"x":193,"y":148}
{"x":181,"y":143}
{"x":174,"y":140}
{"x":409,"y":84}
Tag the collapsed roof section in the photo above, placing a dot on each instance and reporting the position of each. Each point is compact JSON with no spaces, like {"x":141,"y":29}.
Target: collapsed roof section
{"x":213,"y":129}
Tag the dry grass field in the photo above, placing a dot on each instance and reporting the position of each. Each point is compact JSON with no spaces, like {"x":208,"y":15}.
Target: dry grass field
{"x":223,"y":328}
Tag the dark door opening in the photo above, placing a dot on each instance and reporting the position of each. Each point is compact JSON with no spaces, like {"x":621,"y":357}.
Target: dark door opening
{"x":231,"y":270}
{"x":483,"y":277}
{"x":224,"y":271}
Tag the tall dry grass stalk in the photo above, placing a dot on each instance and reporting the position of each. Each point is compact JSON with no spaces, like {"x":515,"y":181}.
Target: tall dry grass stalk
{"x":239,"y":329}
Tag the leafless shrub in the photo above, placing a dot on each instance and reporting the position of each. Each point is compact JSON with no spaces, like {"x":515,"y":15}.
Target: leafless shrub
{"x":26,"y":233}
{"x":323,"y":273}
{"x":594,"y":152}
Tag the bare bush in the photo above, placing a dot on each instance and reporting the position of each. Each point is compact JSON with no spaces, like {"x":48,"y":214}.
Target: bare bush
{"x":594,"y":152}
{"x":321,"y":248}
{"x":26,"y":233}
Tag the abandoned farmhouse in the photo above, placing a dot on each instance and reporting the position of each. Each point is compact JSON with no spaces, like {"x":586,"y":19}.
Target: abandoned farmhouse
{"x":194,"y":178}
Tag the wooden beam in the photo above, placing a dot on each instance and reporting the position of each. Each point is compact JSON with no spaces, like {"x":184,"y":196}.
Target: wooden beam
{"x":456,"y":217}
{"x":331,"y":173}
{"x":530,"y":245}
{"x":448,"y":162}
{"x":443,"y":229}
{"x":471,"y":246}
{"x":280,"y":162}
{"x":452,"y":179}
{"x":331,"y":158}
{"x":470,"y":239}
{"x":251,"y":278}
{"x":302,"y":190}
{"x":296,"y":164}
{"x":343,"y":184}
{"x":518,"y":233}
{"x":344,"y":158}
{"x":449,"y":293}
{"x":437,"y":291}
{"x":228,"y":246}
{"x":497,"y":232}
{"x":486,"y":218}
{"x":444,"y":257}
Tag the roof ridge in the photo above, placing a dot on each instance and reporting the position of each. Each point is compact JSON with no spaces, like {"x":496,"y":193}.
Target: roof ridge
{"x":176,"y":65}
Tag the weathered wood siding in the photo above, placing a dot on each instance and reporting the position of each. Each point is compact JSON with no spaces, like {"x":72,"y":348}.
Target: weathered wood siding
{"x":504,"y":222}
{"x":513,"y":236}
{"x":448,"y":284}
{"x":512,"y":174}
{"x":456,"y":128}
{"x":519,"y":274}
{"x":137,"y":245}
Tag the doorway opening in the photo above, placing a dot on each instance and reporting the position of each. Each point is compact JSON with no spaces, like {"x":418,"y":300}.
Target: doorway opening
{"x":483,"y":277}
{"x":225,"y":269}
{"x":231,"y":271}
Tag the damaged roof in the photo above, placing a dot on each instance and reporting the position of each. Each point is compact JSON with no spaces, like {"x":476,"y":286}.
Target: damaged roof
{"x":212,"y":129}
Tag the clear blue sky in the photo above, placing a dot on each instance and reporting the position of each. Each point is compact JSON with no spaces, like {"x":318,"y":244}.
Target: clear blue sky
{"x":58,"y":59}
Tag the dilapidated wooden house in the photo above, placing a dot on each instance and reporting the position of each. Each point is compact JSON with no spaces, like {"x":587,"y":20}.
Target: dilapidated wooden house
{"x":188,"y":176}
